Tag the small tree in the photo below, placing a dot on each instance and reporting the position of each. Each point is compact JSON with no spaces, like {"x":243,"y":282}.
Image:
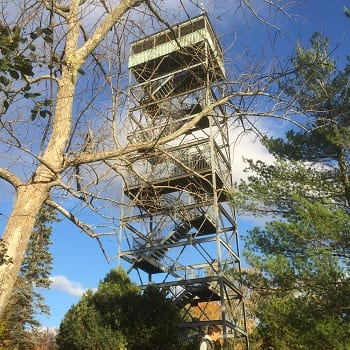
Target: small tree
{"x":119,"y":316}
{"x":84,"y":327}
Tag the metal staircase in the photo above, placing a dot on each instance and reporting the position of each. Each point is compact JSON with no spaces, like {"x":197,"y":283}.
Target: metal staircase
{"x":163,"y":246}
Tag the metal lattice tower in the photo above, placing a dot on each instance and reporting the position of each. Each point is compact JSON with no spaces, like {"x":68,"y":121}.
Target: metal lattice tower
{"x":178,"y":228}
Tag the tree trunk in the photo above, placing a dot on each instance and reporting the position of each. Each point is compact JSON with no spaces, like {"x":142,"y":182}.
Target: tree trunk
{"x":19,"y":227}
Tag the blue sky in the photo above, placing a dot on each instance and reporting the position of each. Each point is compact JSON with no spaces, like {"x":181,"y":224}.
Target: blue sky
{"x":78,"y":261}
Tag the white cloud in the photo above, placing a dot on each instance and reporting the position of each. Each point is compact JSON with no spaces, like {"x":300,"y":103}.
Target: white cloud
{"x":248,"y":147}
{"x":63,"y":284}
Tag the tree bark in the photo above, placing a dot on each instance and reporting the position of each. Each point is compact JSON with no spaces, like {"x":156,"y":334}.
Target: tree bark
{"x":19,"y":227}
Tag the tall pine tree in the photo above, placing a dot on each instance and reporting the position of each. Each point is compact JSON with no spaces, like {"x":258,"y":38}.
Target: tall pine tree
{"x":303,"y":253}
{"x":26,"y":301}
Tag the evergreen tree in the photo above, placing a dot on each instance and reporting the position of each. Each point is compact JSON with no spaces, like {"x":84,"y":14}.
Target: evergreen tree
{"x":303,"y":253}
{"x":119,"y":316}
{"x":84,"y":327}
{"x":26,"y":301}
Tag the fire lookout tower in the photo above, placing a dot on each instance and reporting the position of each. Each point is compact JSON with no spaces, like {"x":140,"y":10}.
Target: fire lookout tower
{"x":178,"y":228}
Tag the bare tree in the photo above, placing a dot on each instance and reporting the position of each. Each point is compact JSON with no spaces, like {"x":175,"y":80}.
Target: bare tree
{"x":77,"y":148}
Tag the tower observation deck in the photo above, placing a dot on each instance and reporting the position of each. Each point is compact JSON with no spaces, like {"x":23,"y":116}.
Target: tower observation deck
{"x":178,"y":227}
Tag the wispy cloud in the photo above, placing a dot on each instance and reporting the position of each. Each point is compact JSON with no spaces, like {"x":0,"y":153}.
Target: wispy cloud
{"x":63,"y":284}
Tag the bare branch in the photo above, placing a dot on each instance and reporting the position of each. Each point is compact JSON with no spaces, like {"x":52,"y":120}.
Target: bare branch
{"x":10,"y":178}
{"x":105,"y":26}
{"x":83,"y":226}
